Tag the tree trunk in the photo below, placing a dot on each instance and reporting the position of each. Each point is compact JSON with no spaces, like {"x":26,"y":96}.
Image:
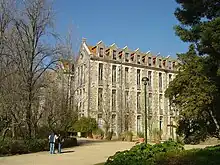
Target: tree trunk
{"x":215,"y":121}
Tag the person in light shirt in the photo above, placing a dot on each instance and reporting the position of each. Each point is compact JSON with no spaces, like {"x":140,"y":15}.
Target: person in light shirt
{"x":52,"y":139}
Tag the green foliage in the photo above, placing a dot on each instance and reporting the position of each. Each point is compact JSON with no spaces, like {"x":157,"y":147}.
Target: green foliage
{"x":195,"y":90}
{"x":85,"y":124}
{"x":142,"y":153}
{"x":98,"y":131}
{"x":12,"y":147}
{"x":207,"y":156}
{"x":140,"y":134}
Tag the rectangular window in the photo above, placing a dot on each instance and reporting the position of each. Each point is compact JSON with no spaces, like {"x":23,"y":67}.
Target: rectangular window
{"x":113,"y":75}
{"x":114,"y":55}
{"x":127,"y":57}
{"x":143,"y":59}
{"x":170,"y":78}
{"x":100,"y":99}
{"x":149,"y":61}
{"x":100,"y":120}
{"x":169,"y":64}
{"x":114,"y":123}
{"x":126,"y":77}
{"x":164,"y":63}
{"x":150,"y":104}
{"x":138,"y":77}
{"x":150,"y":80}
{"x":78,"y":76}
{"x":113,"y":100}
{"x":126,"y":122}
{"x":81,"y":75}
{"x":126,"y":100}
{"x":138,"y":102}
{"x":161,"y":104}
{"x":138,"y":124}
{"x":160,"y":63}
{"x":138,"y":59}
{"x":174,"y":65}
{"x":101,"y":52}
{"x":161,"y":123}
{"x":100,"y":74}
{"x":84,"y":74}
{"x":160,"y":82}
{"x":171,"y":127}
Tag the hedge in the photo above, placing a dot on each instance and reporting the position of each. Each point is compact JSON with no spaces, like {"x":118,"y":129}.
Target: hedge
{"x":168,"y":153}
{"x":12,"y":147}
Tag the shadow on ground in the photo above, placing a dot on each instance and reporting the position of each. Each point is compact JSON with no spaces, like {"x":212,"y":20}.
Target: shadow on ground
{"x":81,"y":142}
{"x":65,"y":152}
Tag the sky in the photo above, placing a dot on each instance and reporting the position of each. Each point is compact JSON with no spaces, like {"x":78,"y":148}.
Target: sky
{"x":144,"y":24}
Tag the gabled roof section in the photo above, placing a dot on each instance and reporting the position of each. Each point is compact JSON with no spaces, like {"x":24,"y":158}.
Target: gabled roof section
{"x":92,"y":49}
{"x":113,"y":46}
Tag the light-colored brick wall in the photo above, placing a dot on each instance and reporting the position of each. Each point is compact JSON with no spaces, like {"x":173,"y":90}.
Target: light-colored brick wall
{"x":91,"y":63}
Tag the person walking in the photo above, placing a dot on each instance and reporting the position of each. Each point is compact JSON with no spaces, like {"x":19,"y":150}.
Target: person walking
{"x":52,"y":138}
{"x":59,"y":140}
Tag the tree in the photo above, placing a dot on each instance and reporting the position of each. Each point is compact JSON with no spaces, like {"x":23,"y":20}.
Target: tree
{"x":195,"y":90}
{"x":191,"y":92}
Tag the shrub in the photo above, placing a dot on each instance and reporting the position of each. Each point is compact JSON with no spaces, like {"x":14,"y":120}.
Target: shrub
{"x":207,"y":156}
{"x":98,"y":133}
{"x":85,"y":124}
{"x":143,"y":153}
{"x":140,"y":134}
{"x":12,"y":147}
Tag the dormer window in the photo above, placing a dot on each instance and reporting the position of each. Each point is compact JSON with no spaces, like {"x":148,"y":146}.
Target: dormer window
{"x":132,"y":56}
{"x":174,"y":65}
{"x":127,"y":57}
{"x":101,"y":52}
{"x":149,"y":61}
{"x":138,"y":59}
{"x":169,"y":64}
{"x":154,"y":60}
{"x":143,"y":59}
{"x":160,"y":63}
{"x":114,"y":55}
{"x":164,"y":63}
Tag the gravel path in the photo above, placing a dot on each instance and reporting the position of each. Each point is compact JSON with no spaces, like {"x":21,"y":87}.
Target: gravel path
{"x":86,"y":154}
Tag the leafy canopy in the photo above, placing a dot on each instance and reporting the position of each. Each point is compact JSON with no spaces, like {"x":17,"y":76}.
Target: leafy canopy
{"x":195,"y":90}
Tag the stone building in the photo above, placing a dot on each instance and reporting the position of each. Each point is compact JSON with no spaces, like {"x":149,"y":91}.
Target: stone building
{"x":109,"y":88}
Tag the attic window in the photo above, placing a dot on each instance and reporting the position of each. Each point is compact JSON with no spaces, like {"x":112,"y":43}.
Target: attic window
{"x":174,"y":65}
{"x":160,"y":63}
{"x":127,"y":57}
{"x":138,"y":59}
{"x":169,"y":64}
{"x":143,"y":59}
{"x":149,"y":61}
{"x":114,"y":55}
{"x":164,"y":63}
{"x":101,"y":52}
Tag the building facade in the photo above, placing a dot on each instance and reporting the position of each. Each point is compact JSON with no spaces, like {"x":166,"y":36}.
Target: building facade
{"x":109,"y":88}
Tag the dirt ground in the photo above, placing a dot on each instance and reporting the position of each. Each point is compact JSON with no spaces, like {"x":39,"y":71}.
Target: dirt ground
{"x":85,"y":154}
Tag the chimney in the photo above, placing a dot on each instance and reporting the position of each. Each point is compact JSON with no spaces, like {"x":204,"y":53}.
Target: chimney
{"x":83,"y":40}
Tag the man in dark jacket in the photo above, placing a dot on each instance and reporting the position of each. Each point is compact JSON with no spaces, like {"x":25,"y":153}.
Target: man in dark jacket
{"x":59,"y":140}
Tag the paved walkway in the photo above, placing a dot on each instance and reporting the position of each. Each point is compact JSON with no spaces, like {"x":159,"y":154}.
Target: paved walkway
{"x":86,"y":154}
